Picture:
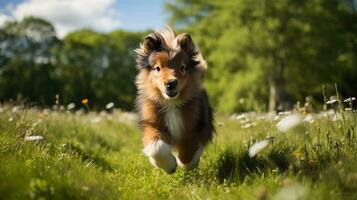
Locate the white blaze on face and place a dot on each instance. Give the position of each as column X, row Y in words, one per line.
column 173, row 121
column 289, row 122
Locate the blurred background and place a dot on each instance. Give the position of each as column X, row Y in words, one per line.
column 262, row 55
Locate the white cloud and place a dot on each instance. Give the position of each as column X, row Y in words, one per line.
column 68, row 15
column 4, row 18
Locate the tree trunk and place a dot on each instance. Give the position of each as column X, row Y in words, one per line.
column 272, row 96
column 278, row 98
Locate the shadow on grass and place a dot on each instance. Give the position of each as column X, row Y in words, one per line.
column 237, row 166
column 86, row 156
column 232, row 166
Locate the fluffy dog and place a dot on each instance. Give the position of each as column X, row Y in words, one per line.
column 175, row 116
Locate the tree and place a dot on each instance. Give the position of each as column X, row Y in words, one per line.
column 98, row 66
column 25, row 60
column 36, row 65
column 269, row 51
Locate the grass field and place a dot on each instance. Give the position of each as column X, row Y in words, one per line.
column 98, row 156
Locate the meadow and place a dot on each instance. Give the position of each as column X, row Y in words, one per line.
column 262, row 56
column 64, row 154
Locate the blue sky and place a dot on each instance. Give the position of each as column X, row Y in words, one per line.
column 141, row 14
column 101, row 15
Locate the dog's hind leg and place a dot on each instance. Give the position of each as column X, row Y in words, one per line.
column 159, row 153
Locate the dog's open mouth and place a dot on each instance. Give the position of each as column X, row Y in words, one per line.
column 171, row 94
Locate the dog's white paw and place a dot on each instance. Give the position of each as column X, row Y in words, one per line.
column 159, row 153
column 167, row 164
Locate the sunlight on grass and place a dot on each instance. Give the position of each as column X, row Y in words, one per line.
column 64, row 154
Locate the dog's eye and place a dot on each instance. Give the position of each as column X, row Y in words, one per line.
column 183, row 69
column 157, row 68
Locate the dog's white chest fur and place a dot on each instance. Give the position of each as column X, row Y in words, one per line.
column 174, row 121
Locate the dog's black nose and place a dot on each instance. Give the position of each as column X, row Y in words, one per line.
column 171, row 84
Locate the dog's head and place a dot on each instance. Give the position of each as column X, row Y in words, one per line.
column 172, row 63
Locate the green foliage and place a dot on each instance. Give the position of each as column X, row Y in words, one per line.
column 251, row 47
column 262, row 55
column 35, row 65
column 104, row 66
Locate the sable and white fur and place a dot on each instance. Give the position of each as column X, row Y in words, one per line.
column 174, row 113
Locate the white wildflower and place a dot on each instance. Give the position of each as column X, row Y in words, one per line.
column 33, row 138
column 309, row 118
column 276, row 170
column 89, row 163
column 244, row 121
column 248, row 125
column 262, row 117
column 331, row 101
column 85, row 188
column 71, row 106
column 324, row 114
column 127, row 117
column 336, row 117
column 95, row 120
column 328, row 114
column 11, row 119
column 276, row 118
column 109, row 106
column 285, row 113
column 220, row 124
column 350, row 99
column 241, row 116
column 288, row 122
column 102, row 113
column 258, row 147
column 46, row 111
column 80, row 112
column 291, row 191
column 241, row 100
column 36, row 123
column 15, row 109
column 61, row 156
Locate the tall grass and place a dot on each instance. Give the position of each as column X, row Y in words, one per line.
column 98, row 156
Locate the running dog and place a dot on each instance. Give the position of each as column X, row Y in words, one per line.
column 175, row 116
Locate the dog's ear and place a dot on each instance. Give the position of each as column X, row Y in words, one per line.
column 153, row 41
column 188, row 46
column 186, row 43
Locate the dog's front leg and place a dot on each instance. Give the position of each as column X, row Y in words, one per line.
column 158, row 151
column 189, row 155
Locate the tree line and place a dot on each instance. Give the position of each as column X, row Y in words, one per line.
column 35, row 65
column 267, row 55
column 262, row 55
